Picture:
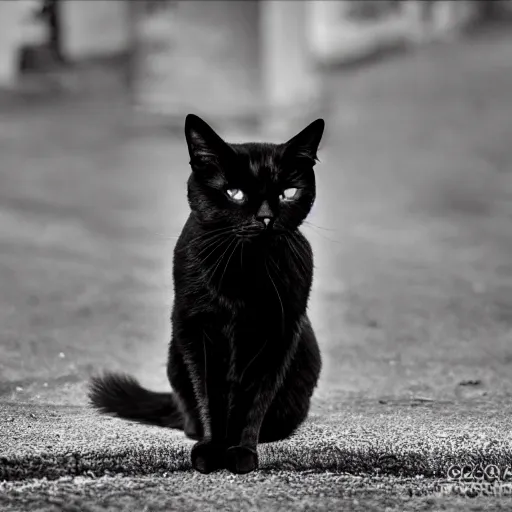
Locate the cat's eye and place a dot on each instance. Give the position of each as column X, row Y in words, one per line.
column 236, row 194
column 288, row 194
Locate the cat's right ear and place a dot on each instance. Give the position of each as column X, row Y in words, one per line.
column 204, row 145
column 305, row 144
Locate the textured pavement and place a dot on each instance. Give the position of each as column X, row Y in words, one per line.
column 412, row 300
column 355, row 454
column 409, row 439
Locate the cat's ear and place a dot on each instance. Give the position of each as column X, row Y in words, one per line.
column 305, row 144
column 204, row 145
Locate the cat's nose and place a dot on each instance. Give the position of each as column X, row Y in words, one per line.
column 265, row 215
column 266, row 221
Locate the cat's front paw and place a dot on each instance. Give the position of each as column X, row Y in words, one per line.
column 241, row 459
column 207, row 456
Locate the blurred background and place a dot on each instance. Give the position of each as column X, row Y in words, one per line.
column 411, row 230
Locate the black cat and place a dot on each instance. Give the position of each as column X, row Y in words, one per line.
column 243, row 359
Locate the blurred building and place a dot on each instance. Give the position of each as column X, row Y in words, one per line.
column 222, row 58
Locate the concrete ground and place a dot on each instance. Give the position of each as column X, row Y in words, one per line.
column 412, row 301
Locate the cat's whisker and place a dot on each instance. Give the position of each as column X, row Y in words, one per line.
column 210, row 233
column 207, row 239
column 276, row 267
column 313, row 227
column 227, row 263
column 301, row 244
column 292, row 249
column 217, row 244
column 211, row 242
column 220, row 259
column 211, row 270
column 162, row 236
column 299, row 258
column 247, row 231
column 309, row 223
column 167, row 237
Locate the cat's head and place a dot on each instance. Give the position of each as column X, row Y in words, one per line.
column 254, row 188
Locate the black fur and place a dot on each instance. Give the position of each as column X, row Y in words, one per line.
column 243, row 359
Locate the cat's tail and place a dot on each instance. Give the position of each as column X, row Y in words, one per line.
column 121, row 395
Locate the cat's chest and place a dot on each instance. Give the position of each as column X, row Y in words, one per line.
column 241, row 337
column 234, row 335
column 258, row 321
column 265, row 289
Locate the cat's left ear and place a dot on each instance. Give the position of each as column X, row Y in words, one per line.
column 305, row 144
column 204, row 145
